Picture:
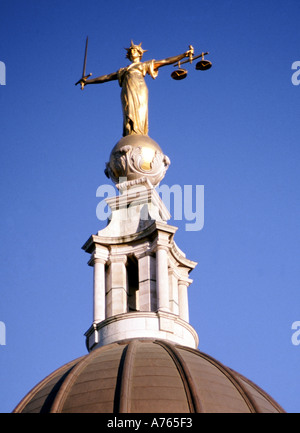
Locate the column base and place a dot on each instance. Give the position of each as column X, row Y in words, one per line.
column 160, row 325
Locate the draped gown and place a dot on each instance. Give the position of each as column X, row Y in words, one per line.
column 134, row 96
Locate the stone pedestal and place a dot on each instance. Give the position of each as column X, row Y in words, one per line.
column 140, row 275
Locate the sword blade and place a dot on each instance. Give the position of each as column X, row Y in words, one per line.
column 85, row 55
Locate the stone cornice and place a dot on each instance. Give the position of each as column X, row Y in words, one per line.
column 151, row 236
column 93, row 240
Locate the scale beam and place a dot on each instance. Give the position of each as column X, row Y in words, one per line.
column 181, row 73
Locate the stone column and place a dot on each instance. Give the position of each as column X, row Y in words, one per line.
column 147, row 282
column 162, row 278
column 183, row 300
column 116, row 286
column 99, row 290
column 173, row 292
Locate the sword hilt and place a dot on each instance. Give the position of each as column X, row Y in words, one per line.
column 82, row 82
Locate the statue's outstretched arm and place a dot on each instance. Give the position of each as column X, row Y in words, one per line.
column 98, row 80
column 102, row 79
column 174, row 59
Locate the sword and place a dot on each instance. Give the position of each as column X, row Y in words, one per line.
column 84, row 66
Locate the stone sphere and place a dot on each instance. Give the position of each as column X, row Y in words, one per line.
column 135, row 157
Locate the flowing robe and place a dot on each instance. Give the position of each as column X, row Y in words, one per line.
column 134, row 96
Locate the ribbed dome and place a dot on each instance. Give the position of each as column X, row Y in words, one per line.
column 146, row 376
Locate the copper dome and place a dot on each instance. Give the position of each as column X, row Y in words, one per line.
column 146, row 376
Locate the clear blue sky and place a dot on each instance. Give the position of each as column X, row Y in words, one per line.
column 234, row 129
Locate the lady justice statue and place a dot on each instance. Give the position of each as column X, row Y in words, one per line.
column 136, row 154
column 134, row 94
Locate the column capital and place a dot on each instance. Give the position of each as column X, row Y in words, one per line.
column 162, row 240
column 99, row 260
column 161, row 246
column 141, row 254
column 184, row 282
column 99, row 255
column 117, row 259
column 94, row 259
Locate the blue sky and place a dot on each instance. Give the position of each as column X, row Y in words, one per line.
column 234, row 129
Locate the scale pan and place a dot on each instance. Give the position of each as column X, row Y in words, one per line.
column 203, row 65
column 179, row 74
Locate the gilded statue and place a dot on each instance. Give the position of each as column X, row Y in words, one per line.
column 134, row 93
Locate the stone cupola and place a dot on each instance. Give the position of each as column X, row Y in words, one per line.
column 141, row 277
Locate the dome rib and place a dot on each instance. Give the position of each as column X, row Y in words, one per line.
column 62, row 394
column 188, row 383
column 62, row 371
column 263, row 393
column 125, row 375
column 231, row 376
